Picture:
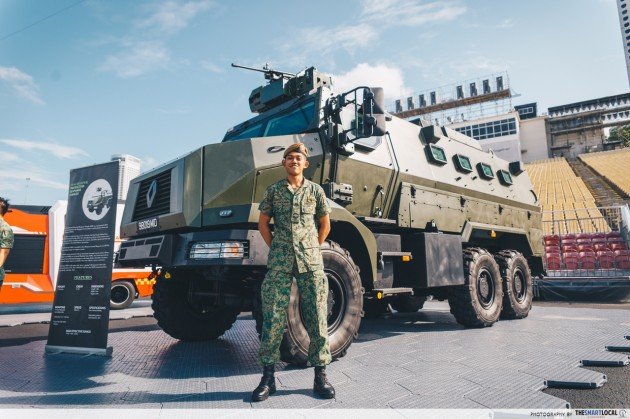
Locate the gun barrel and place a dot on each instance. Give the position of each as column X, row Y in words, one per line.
column 248, row 68
column 265, row 70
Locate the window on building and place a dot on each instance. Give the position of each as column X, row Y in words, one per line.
column 490, row 129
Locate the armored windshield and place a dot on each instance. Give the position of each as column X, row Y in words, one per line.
column 293, row 121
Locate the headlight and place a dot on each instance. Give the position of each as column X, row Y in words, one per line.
column 216, row 250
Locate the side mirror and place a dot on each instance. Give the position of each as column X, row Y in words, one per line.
column 374, row 124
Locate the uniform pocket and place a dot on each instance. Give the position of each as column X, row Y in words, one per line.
column 308, row 206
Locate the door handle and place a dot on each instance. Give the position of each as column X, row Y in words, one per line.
column 275, row 149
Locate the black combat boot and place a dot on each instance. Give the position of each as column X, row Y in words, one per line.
column 267, row 384
column 321, row 386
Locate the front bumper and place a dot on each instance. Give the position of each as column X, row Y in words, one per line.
column 173, row 250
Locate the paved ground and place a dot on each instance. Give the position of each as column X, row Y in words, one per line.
column 423, row 360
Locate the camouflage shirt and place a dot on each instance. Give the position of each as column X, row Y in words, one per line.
column 6, row 235
column 295, row 215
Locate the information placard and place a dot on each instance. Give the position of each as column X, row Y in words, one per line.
column 80, row 313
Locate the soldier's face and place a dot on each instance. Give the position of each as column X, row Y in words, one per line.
column 295, row 163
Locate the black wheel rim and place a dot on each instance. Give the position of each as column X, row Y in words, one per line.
column 119, row 294
column 520, row 285
column 485, row 288
column 201, row 301
column 336, row 302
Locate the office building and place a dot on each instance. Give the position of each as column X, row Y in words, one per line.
column 624, row 24
column 129, row 168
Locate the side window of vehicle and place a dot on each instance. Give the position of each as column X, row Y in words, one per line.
column 504, row 177
column 485, row 171
column 254, row 131
column 462, row 163
column 437, row 155
column 291, row 123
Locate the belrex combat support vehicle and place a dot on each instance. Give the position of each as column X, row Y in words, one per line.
column 100, row 200
column 418, row 210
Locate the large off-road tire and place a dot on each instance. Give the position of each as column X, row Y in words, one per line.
column 122, row 294
column 345, row 304
column 518, row 288
column 181, row 315
column 478, row 303
column 408, row 303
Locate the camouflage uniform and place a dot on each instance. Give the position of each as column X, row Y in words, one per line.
column 6, row 241
column 295, row 252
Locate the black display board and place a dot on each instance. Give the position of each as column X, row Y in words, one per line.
column 80, row 313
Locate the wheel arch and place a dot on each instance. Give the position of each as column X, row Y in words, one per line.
column 527, row 242
column 356, row 238
column 131, row 280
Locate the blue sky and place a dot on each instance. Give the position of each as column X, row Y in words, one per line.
column 153, row 78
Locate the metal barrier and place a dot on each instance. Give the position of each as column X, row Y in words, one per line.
column 587, row 242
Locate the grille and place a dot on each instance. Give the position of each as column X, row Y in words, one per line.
column 161, row 202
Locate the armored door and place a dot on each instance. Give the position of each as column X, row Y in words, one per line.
column 371, row 172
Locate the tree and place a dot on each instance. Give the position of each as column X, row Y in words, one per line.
column 621, row 133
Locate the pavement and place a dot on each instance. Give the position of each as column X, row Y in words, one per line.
column 423, row 360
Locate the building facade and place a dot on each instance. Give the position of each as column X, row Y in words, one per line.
column 577, row 128
column 534, row 139
column 624, row 24
column 499, row 133
column 128, row 169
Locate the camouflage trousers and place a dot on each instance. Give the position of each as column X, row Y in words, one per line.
column 276, row 292
column 1, row 277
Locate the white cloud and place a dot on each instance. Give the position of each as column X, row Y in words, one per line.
column 318, row 43
column 488, row 64
column 210, row 66
column 136, row 59
column 344, row 37
column 381, row 75
column 169, row 17
column 57, row 150
column 6, row 157
column 22, row 83
column 506, row 23
column 146, row 50
column 410, row 12
column 15, row 180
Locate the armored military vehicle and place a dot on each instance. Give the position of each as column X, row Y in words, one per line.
column 418, row 210
column 102, row 198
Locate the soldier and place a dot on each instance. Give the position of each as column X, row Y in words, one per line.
column 6, row 237
column 296, row 205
